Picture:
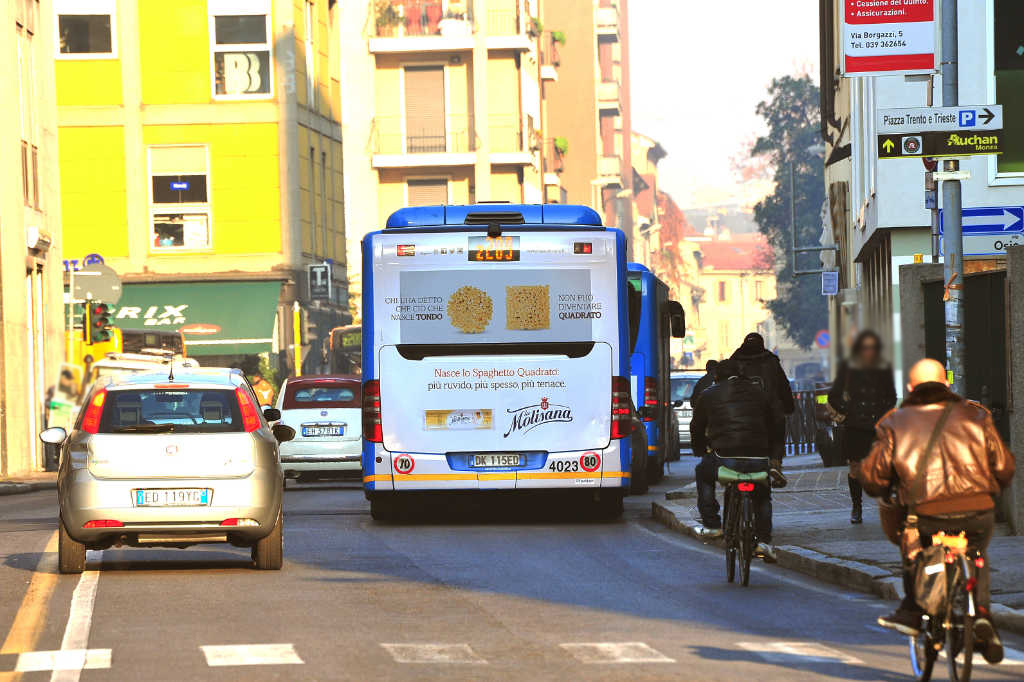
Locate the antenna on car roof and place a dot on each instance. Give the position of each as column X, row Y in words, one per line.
column 170, row 361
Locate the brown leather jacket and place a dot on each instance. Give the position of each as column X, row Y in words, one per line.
column 967, row 467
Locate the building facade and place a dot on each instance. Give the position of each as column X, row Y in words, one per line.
column 442, row 104
column 31, row 314
column 209, row 176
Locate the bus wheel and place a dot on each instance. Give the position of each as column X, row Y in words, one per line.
column 609, row 505
column 656, row 467
column 383, row 507
column 638, row 465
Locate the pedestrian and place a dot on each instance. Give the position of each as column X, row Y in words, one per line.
column 764, row 367
column 735, row 418
column 703, row 383
column 864, row 390
column 945, row 459
column 263, row 388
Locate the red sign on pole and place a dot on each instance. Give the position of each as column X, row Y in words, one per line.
column 889, row 37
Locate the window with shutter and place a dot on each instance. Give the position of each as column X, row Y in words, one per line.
column 424, row 109
column 429, row 192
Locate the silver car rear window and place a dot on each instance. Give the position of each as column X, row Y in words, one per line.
column 172, row 410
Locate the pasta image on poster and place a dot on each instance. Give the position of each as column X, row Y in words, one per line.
column 470, row 309
column 528, row 307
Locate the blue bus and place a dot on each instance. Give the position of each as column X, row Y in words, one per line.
column 496, row 355
column 660, row 320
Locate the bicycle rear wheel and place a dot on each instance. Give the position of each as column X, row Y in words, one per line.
column 922, row 656
column 960, row 634
column 746, row 537
column 730, row 538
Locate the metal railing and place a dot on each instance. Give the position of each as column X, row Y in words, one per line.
column 554, row 161
column 504, row 22
column 395, row 135
column 549, row 54
column 400, row 18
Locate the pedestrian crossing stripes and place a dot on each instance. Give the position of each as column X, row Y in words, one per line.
column 798, row 652
column 615, row 652
column 432, row 653
column 250, row 654
column 63, row 659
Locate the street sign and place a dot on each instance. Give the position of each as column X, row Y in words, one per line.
column 822, row 339
column 97, row 282
column 830, row 283
column 889, row 38
column 917, row 120
column 987, row 231
column 320, row 282
column 940, row 144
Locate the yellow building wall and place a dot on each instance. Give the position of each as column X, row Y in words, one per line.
column 88, row 82
column 725, row 323
column 92, row 183
column 244, row 182
column 174, row 44
column 504, row 186
column 503, row 103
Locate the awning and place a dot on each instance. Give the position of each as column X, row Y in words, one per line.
column 217, row 318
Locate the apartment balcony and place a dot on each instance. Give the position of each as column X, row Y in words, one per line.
column 506, row 141
column 550, row 59
column 398, row 143
column 507, row 29
column 608, row 95
column 554, row 160
column 609, row 170
column 606, row 21
column 422, row 26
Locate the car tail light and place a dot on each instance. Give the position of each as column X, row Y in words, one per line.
column 979, row 561
column 745, row 487
column 240, row 522
column 622, row 415
column 372, row 430
column 103, row 523
column 94, row 412
column 650, row 396
column 250, row 417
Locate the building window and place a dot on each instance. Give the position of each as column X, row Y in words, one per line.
column 759, row 290
column 427, row 192
column 425, row 110
column 311, row 85
column 1009, row 73
column 240, row 38
column 723, row 336
column 721, row 291
column 179, row 198
column 85, row 29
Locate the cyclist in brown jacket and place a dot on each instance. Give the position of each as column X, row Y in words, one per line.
column 951, row 489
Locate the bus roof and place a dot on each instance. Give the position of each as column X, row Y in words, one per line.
column 495, row 213
column 637, row 267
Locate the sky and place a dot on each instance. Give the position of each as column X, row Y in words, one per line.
column 698, row 68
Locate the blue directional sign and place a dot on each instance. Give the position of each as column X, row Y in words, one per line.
column 989, row 230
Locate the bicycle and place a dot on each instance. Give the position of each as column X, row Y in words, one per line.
column 738, row 526
column 954, row 630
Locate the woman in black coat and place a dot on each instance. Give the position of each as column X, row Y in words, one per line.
column 864, row 390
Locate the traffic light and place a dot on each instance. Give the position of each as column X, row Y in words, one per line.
column 86, row 325
column 99, row 323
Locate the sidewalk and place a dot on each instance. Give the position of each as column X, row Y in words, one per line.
column 37, row 480
column 813, row 533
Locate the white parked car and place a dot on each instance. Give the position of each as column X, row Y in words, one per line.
column 326, row 413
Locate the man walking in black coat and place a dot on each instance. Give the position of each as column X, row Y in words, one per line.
column 736, row 419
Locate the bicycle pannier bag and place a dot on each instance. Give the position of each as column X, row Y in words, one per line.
column 930, row 579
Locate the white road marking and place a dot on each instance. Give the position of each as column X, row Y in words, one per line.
column 250, row 654
column 798, row 652
column 1010, row 657
column 615, row 652
column 65, row 659
column 432, row 653
column 76, row 633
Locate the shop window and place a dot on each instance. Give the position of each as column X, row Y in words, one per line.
column 1009, row 74
column 240, row 38
column 179, row 199
column 85, row 29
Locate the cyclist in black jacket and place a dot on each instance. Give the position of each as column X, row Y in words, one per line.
column 736, row 419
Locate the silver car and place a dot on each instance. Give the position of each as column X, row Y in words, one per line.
column 682, row 384
column 159, row 460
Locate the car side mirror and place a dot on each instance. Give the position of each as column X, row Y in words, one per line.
column 272, row 414
column 677, row 319
column 647, row 413
column 283, row 432
column 677, row 403
column 53, row 436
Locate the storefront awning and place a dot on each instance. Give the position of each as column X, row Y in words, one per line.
column 217, row 318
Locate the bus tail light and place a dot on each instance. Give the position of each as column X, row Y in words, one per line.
column 622, row 414
column 94, row 412
column 250, row 417
column 372, row 430
column 650, row 397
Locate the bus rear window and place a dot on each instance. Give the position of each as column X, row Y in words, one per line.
column 307, row 396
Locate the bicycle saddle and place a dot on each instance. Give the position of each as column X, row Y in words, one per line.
column 727, row 475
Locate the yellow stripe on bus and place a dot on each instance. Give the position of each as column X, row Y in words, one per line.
column 507, row 476
column 652, row 447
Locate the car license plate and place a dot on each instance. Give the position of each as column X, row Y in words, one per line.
column 173, row 497
column 323, row 430
column 496, row 460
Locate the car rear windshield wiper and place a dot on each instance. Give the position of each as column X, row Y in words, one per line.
column 145, row 428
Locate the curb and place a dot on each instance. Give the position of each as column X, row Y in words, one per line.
column 20, row 488
column 843, row 572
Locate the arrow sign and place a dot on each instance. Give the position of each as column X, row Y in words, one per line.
column 888, row 145
column 994, row 220
column 989, row 230
column 987, row 117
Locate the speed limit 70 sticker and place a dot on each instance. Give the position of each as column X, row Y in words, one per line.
column 404, row 464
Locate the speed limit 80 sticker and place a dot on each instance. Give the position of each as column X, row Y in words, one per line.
column 404, row 464
column 590, row 461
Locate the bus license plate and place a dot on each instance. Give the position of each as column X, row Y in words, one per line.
column 322, row 431
column 173, row 497
column 499, row 460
